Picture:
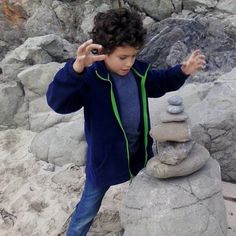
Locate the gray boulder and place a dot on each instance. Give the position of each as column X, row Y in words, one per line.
column 61, row 144
column 227, row 5
column 157, row 9
column 183, row 206
column 36, row 79
column 213, row 123
column 11, row 100
column 37, row 50
column 172, row 40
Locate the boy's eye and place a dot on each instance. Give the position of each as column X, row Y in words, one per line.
column 122, row 58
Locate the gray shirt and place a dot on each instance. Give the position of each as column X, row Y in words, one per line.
column 129, row 108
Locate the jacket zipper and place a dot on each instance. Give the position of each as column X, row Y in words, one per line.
column 116, row 112
column 144, row 103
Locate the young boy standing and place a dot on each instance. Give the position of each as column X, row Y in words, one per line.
column 113, row 88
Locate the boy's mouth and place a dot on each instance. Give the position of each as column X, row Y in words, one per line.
column 126, row 70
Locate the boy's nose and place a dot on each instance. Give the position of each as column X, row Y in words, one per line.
column 129, row 63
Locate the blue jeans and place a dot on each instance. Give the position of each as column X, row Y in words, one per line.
column 86, row 209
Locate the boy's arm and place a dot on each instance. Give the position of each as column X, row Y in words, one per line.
column 65, row 93
column 160, row 82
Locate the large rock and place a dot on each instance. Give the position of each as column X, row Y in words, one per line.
column 183, row 206
column 36, row 79
column 227, row 5
column 41, row 116
column 158, row 9
column 37, row 50
column 11, row 100
column 170, row 41
column 61, row 144
column 44, row 21
column 193, row 4
column 213, row 123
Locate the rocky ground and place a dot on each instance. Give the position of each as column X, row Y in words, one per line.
column 39, row 196
column 229, row 192
column 38, row 184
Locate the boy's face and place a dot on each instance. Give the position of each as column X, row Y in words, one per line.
column 121, row 60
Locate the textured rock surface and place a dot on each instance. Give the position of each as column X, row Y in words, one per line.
column 196, row 159
column 61, row 144
column 39, row 196
column 175, row 131
column 173, row 153
column 184, row 206
column 214, row 124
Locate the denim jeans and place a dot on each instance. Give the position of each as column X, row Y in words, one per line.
column 86, row 209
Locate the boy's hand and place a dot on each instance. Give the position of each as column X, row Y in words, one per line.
column 84, row 56
column 195, row 62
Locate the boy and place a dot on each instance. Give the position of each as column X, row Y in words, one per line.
column 113, row 88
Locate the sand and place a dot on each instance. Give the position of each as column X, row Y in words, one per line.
column 37, row 198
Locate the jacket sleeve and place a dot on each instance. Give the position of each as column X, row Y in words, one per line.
column 162, row 81
column 66, row 92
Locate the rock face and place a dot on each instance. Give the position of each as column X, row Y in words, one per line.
column 191, row 205
column 213, row 123
column 174, row 38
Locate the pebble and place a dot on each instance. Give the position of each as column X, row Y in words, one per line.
column 175, row 100
column 175, row 109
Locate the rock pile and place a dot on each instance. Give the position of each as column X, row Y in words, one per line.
column 159, row 204
column 178, row 154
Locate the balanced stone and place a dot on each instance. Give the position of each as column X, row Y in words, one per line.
column 175, row 109
column 175, row 100
column 167, row 117
column 174, row 131
column 172, row 153
column 196, row 159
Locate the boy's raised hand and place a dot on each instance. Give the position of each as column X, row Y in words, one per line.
column 195, row 62
column 84, row 57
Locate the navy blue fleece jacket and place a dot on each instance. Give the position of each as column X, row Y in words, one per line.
column 108, row 160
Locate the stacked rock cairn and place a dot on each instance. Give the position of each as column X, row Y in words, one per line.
column 178, row 154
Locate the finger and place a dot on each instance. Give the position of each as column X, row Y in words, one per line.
column 82, row 48
column 93, row 46
column 201, row 57
column 98, row 57
column 195, row 54
column 201, row 62
column 81, row 58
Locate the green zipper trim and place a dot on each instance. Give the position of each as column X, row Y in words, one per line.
column 144, row 103
column 116, row 112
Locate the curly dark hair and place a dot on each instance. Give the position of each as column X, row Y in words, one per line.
column 118, row 27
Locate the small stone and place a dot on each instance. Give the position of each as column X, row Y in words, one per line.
column 175, row 100
column 175, row 109
column 167, row 117
column 50, row 167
